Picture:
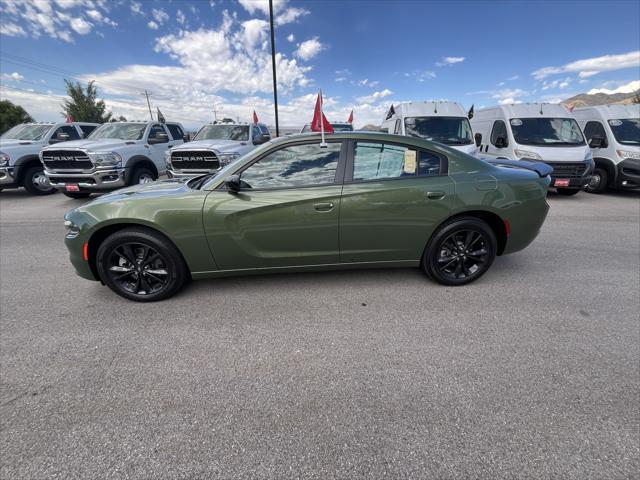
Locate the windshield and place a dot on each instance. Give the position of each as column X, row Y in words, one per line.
column 239, row 133
column 447, row 130
column 547, row 132
column 626, row 130
column 122, row 131
column 337, row 127
column 27, row 132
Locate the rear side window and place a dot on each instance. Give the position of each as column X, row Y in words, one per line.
column 176, row 131
column 499, row 130
column 377, row 161
column 264, row 130
column 594, row 129
column 87, row 129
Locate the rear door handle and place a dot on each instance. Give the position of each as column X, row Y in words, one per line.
column 435, row 195
column 323, row 207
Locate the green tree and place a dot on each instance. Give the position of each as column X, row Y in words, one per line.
column 11, row 115
column 83, row 105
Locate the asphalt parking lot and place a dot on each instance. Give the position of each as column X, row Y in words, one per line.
column 533, row 372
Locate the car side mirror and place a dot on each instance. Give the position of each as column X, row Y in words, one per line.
column 160, row 138
column 264, row 138
column 232, row 182
column 478, row 139
column 501, row 142
column 597, row 142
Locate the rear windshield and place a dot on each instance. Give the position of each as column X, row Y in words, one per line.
column 626, row 130
column 547, row 132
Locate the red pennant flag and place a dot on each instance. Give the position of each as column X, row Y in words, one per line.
column 69, row 119
column 255, row 117
column 318, row 116
column 350, row 117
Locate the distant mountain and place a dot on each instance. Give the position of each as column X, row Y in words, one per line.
column 586, row 100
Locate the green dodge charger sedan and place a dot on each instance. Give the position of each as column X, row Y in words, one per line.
column 293, row 204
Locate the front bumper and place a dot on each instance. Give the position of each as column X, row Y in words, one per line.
column 577, row 173
column 7, row 176
column 107, row 179
column 628, row 173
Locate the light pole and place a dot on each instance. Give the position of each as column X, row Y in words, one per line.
column 273, row 63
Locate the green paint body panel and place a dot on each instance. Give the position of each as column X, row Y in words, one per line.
column 368, row 224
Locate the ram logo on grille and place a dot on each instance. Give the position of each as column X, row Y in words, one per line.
column 60, row 159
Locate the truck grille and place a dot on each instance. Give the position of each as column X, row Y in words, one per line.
column 194, row 160
column 66, row 159
column 567, row 170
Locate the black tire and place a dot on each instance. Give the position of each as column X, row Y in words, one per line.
column 142, row 175
column 599, row 181
column 35, row 182
column 567, row 192
column 77, row 195
column 447, row 263
column 140, row 264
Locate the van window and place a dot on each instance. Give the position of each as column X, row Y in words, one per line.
column 626, row 130
column 499, row 130
column 595, row 129
column 546, row 131
column 447, row 130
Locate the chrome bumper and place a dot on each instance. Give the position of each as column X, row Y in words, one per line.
column 98, row 180
column 6, row 176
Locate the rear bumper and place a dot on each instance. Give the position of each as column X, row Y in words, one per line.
column 628, row 174
column 98, row 180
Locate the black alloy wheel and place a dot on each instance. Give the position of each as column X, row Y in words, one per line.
column 598, row 182
column 460, row 251
column 140, row 264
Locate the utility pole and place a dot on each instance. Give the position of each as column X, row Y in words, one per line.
column 148, row 105
column 215, row 113
column 273, row 63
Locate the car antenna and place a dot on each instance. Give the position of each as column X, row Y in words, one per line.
column 435, row 107
column 541, row 112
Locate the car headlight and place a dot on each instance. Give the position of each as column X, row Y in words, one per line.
column 167, row 159
column 72, row 229
column 4, row 159
column 526, row 154
column 106, row 159
column 227, row 158
column 628, row 154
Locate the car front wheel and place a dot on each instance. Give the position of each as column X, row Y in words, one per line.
column 142, row 175
column 598, row 182
column 141, row 265
column 460, row 251
column 36, row 182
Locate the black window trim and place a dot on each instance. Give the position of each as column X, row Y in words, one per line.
column 338, row 179
column 506, row 139
column 348, row 177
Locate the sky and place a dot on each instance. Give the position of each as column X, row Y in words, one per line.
column 198, row 59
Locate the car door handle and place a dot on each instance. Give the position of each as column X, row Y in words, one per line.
column 435, row 195
column 323, row 207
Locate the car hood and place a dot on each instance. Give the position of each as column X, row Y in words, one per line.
column 95, row 145
column 145, row 190
column 223, row 146
column 558, row 154
column 12, row 142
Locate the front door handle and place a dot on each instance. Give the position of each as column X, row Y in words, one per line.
column 435, row 195
column 323, row 207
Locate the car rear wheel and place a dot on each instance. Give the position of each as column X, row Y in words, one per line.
column 36, row 182
column 142, row 175
column 598, row 182
column 141, row 265
column 567, row 192
column 460, row 251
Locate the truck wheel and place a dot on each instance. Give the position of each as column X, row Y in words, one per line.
column 142, row 175
column 141, row 265
column 36, row 183
column 77, row 195
column 567, row 192
column 460, row 251
column 599, row 181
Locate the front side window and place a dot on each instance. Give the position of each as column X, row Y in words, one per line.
column 377, row 161
column 156, row 130
column 121, row 131
column 626, row 130
column 446, row 130
column 69, row 130
column 499, row 131
column 224, row 132
column 27, row 132
column 294, row 166
column 547, row 132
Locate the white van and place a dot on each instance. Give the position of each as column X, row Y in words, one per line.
column 443, row 122
column 537, row 131
column 613, row 133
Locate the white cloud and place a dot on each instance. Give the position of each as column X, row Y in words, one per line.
column 80, row 25
column 153, row 25
column 626, row 88
column 12, row 30
column 559, row 83
column 592, row 66
column 515, row 77
column 136, row 8
column 255, row 32
column 508, row 95
column 180, row 17
column 15, row 76
column 375, row 96
column 159, row 15
column 309, row 48
column 421, row 75
column 291, row 38
column 282, row 13
column 448, row 61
